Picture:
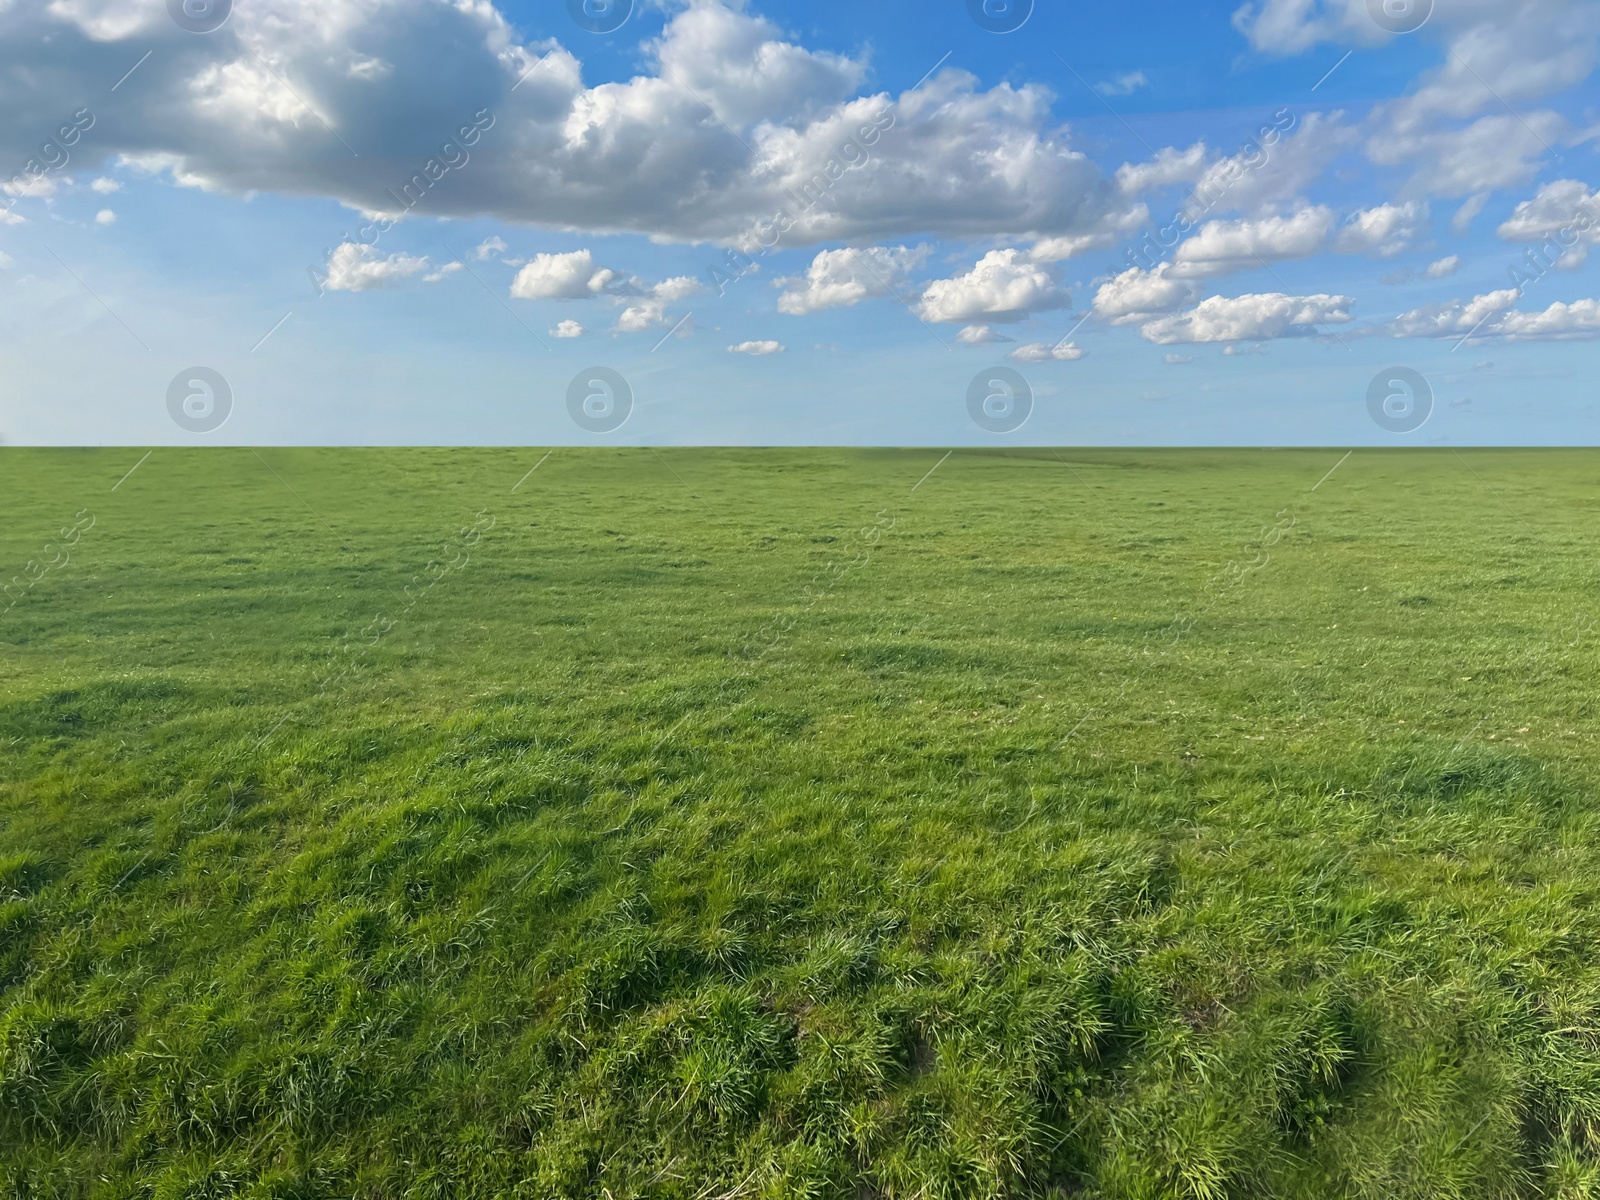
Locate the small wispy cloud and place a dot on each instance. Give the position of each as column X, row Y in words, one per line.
column 488, row 248
column 1123, row 85
column 1039, row 352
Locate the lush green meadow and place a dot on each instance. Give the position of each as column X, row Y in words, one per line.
column 739, row 823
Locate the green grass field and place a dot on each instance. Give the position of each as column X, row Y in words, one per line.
column 739, row 823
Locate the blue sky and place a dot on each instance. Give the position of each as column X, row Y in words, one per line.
column 1001, row 207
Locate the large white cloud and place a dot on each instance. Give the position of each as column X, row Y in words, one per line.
column 1217, row 248
column 356, row 268
column 1564, row 213
column 1559, row 322
column 841, row 278
column 366, row 100
column 1497, row 51
column 1261, row 177
column 951, row 161
column 1003, row 286
column 1129, row 297
column 1471, row 124
column 1294, row 26
column 745, row 70
column 1497, row 151
column 1504, row 53
column 1384, row 230
column 575, row 276
column 1492, row 316
column 1169, row 166
column 1456, row 319
column 1221, row 247
column 571, row 276
column 1249, row 318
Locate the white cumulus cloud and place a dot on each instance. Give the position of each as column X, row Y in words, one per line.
column 648, row 307
column 1494, row 152
column 1221, row 247
column 1564, row 212
column 1004, row 286
column 1385, row 230
column 1559, row 322
column 1456, row 319
column 1251, row 318
column 354, row 267
column 1169, row 166
column 572, row 276
column 1492, row 316
column 1137, row 292
column 842, row 278
column 728, row 121
column 1259, row 178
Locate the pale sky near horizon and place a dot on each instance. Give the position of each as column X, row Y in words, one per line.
column 431, row 222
